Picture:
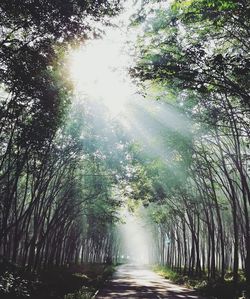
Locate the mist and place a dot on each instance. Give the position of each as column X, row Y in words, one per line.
column 136, row 239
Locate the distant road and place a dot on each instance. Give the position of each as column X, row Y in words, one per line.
column 133, row 281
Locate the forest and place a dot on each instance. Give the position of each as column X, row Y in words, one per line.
column 171, row 147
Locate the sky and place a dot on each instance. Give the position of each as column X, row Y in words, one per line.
column 99, row 68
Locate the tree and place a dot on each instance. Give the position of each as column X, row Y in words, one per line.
column 198, row 50
column 42, row 156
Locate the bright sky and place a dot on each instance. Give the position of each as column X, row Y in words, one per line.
column 99, row 68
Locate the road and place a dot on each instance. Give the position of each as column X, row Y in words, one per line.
column 133, row 281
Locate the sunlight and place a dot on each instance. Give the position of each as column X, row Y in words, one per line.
column 98, row 70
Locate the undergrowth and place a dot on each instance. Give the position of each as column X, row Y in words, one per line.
column 217, row 288
column 73, row 282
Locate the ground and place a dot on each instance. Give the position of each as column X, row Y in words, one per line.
column 134, row 281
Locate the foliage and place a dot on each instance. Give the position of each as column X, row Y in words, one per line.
column 197, row 51
column 62, row 282
column 46, row 198
column 14, row 286
column 203, row 285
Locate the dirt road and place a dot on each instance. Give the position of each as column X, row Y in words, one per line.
column 133, row 281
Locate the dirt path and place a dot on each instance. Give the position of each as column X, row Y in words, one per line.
column 132, row 281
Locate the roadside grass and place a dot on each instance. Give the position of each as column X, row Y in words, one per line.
column 72, row 282
column 210, row 288
column 81, row 294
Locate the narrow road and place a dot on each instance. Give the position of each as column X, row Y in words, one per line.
column 133, row 281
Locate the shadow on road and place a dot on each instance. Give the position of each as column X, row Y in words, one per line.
column 132, row 281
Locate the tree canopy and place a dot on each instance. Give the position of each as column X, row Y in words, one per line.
column 182, row 152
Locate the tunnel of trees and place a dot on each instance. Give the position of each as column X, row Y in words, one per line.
column 64, row 175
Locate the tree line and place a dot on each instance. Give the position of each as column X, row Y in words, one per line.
column 194, row 55
column 54, row 199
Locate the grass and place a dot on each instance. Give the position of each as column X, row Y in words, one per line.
column 73, row 282
column 213, row 288
column 83, row 293
column 169, row 274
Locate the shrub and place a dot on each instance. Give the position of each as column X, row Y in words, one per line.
column 12, row 285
